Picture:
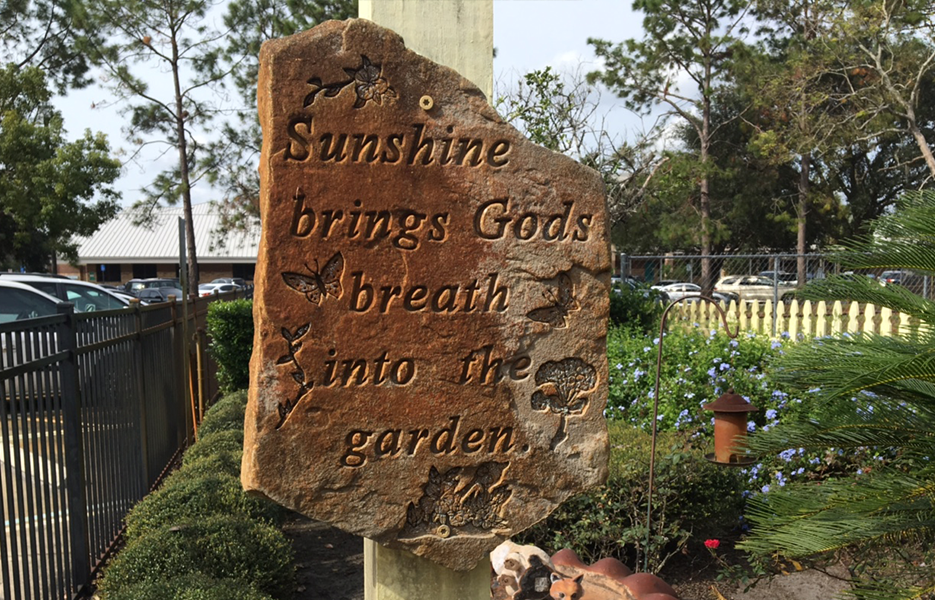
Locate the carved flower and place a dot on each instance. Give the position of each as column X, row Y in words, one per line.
column 369, row 84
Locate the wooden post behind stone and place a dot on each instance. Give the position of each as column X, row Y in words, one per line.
column 391, row 574
column 458, row 34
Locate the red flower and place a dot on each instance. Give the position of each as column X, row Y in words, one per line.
column 713, row 544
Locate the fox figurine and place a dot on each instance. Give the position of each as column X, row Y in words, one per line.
column 565, row 589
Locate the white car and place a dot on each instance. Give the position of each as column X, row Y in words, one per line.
column 677, row 291
column 19, row 301
column 85, row 296
column 207, row 289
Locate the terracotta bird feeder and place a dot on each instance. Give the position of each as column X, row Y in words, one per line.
column 730, row 429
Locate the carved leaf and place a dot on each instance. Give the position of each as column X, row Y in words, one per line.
column 302, row 330
column 284, row 359
column 315, row 81
column 359, row 102
column 350, row 72
column 299, row 377
column 286, row 334
column 333, row 90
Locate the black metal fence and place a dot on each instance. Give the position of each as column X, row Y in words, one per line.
column 95, row 407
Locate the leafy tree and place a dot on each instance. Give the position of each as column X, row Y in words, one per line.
column 692, row 39
column 50, row 189
column 875, row 391
column 161, row 61
column 231, row 159
column 50, row 34
column 885, row 51
column 561, row 112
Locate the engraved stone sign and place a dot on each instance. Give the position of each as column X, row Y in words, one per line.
column 429, row 367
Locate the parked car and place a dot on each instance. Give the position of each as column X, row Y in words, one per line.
column 753, row 288
column 207, row 289
column 234, row 280
column 151, row 295
column 677, row 291
column 135, row 285
column 903, row 278
column 19, row 301
column 85, row 296
column 783, row 276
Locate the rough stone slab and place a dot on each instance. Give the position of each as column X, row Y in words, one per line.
column 429, row 367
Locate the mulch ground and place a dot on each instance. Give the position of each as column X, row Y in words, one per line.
column 330, row 566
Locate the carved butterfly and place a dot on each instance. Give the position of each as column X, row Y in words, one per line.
column 555, row 315
column 327, row 282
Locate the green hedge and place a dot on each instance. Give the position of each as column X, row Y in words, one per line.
column 218, row 546
column 200, row 525
column 196, row 586
column 183, row 499
column 214, row 444
column 230, row 327
column 692, row 498
column 226, row 414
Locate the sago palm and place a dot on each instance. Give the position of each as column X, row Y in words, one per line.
column 873, row 391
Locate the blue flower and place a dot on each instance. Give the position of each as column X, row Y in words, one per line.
column 814, row 461
column 751, row 426
column 646, row 348
column 765, row 488
column 619, row 367
column 775, row 344
column 716, row 360
column 771, row 414
column 734, row 343
column 724, row 366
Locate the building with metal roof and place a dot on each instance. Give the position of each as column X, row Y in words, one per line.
column 120, row 250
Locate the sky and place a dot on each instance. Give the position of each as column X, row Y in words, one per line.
column 528, row 35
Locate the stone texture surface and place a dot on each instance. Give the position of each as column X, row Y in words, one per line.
column 429, row 366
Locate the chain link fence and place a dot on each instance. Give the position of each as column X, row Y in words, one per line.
column 780, row 269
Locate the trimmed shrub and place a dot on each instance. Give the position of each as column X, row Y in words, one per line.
column 217, row 443
column 225, row 462
column 691, row 498
column 638, row 308
column 195, row 586
column 184, row 498
column 230, row 326
column 226, row 414
column 220, row 547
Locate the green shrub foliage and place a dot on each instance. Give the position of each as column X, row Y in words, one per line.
column 226, row 414
column 214, row 444
column 184, row 498
column 230, row 327
column 194, row 586
column 226, row 462
column 220, row 547
column 637, row 309
column 692, row 498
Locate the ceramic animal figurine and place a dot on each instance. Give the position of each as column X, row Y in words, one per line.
column 565, row 588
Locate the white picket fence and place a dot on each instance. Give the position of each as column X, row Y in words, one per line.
column 796, row 319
